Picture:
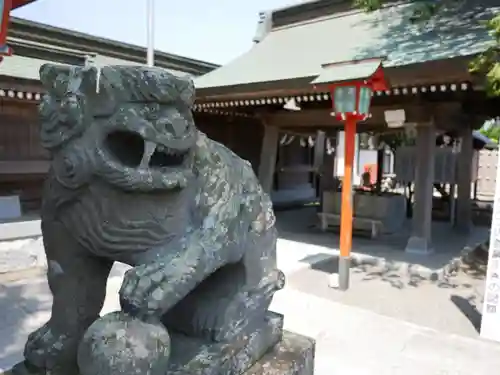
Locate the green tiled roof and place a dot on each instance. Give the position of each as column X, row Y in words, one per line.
column 300, row 50
column 28, row 67
column 106, row 60
column 21, row 67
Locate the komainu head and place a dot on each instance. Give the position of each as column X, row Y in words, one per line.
column 131, row 126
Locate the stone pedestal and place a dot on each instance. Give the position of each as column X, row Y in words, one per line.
column 185, row 212
column 191, row 356
column 389, row 209
column 293, row 355
column 419, row 245
column 262, row 349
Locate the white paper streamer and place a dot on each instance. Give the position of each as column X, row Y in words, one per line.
column 91, row 63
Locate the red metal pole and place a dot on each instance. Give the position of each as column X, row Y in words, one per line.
column 346, row 215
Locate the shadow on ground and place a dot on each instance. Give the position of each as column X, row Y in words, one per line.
column 450, row 304
column 301, row 225
column 25, row 305
column 386, row 280
column 468, row 307
column 24, row 308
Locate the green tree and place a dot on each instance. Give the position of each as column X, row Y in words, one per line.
column 486, row 64
column 491, row 130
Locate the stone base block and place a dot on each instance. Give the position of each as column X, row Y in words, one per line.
column 293, row 355
column 267, row 350
column 419, row 245
column 193, row 357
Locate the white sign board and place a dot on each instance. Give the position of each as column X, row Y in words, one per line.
column 490, row 324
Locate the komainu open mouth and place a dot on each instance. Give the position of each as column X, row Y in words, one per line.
column 131, row 150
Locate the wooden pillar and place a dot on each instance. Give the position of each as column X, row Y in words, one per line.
column 230, row 134
column 268, row 155
column 420, row 241
column 319, row 156
column 327, row 180
column 380, row 169
column 464, row 181
column 319, row 150
column 452, row 204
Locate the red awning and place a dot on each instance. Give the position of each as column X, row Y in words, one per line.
column 20, row 3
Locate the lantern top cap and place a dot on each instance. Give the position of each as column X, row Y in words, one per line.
column 356, row 70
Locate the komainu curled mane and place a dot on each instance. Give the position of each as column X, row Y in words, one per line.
column 133, row 180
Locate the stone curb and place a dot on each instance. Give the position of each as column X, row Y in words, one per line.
column 22, row 254
column 24, row 274
column 409, row 269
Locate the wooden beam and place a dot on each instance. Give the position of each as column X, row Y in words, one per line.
column 449, row 116
column 421, row 74
column 321, row 118
column 24, row 167
column 297, row 168
column 308, row 131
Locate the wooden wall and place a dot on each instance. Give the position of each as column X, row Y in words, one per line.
column 23, row 161
column 20, row 140
column 242, row 135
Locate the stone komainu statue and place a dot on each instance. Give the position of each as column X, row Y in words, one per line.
column 133, row 180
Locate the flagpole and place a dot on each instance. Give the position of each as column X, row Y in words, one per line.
column 150, row 32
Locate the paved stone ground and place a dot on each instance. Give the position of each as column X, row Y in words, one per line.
column 368, row 330
column 350, row 340
column 390, row 282
column 451, row 305
column 354, row 341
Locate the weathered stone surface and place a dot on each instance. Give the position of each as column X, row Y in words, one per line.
column 191, row 356
column 118, row 343
column 133, row 180
column 293, row 355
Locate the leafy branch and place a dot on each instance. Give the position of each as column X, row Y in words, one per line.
column 486, row 64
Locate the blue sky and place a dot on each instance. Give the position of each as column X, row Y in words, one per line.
column 211, row 30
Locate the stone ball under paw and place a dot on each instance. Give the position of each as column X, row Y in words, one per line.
column 118, row 344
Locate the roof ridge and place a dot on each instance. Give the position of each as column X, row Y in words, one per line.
column 312, row 10
column 317, row 19
column 105, row 41
column 306, row 3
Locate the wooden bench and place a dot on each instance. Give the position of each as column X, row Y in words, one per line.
column 359, row 223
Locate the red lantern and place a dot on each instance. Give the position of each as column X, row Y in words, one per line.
column 5, row 7
column 351, row 100
column 351, row 85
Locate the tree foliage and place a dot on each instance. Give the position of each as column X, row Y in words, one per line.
column 491, row 130
column 486, row 64
column 492, row 133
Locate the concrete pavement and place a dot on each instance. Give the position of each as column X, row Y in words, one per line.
column 359, row 342
column 350, row 340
